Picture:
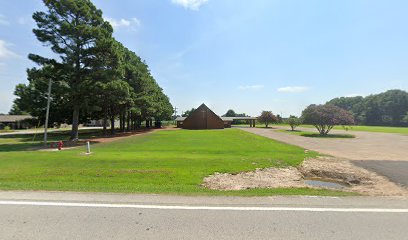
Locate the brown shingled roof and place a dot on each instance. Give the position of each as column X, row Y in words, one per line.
column 14, row 118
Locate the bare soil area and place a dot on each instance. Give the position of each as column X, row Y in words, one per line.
column 118, row 136
column 355, row 179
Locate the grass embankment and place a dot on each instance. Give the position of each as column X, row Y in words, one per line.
column 317, row 135
column 173, row 162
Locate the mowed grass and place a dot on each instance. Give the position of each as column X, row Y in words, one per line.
column 400, row 130
column 171, row 162
column 317, row 135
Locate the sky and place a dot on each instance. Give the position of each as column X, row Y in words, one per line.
column 275, row 55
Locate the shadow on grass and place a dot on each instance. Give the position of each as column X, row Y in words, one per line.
column 18, row 147
column 33, row 141
column 52, row 136
column 317, row 135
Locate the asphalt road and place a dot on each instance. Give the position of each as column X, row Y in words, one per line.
column 117, row 216
column 396, row 171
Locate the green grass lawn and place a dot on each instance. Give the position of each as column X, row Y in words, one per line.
column 172, row 162
column 317, row 135
column 400, row 130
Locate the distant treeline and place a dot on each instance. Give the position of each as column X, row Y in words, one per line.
column 232, row 113
column 385, row 109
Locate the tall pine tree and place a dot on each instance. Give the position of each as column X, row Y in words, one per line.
column 72, row 28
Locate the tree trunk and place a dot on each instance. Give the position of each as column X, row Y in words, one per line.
column 138, row 122
column 75, row 123
column 112, row 125
column 105, row 121
column 128, row 121
column 124, row 120
column 120, row 121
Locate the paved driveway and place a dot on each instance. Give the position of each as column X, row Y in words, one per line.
column 384, row 153
column 396, row 171
column 366, row 145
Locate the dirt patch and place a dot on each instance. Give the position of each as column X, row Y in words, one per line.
column 260, row 178
column 325, row 168
column 82, row 142
column 119, row 136
column 358, row 179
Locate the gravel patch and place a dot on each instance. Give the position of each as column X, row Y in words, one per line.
column 355, row 179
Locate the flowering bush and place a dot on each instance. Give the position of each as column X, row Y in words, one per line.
column 267, row 117
column 325, row 117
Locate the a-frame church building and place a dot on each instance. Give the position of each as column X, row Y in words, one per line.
column 204, row 118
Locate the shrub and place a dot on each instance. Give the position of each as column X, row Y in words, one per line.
column 293, row 122
column 325, row 117
column 267, row 117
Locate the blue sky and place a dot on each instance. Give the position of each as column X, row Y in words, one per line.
column 278, row 55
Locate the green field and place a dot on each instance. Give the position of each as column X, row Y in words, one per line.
column 317, row 135
column 173, row 162
column 400, row 130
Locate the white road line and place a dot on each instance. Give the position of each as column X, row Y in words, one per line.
column 170, row 207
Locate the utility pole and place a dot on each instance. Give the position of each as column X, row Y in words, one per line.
column 175, row 112
column 175, row 115
column 47, row 112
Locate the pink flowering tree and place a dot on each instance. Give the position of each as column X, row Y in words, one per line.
column 267, row 117
column 325, row 117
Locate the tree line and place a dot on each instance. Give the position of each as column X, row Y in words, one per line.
column 389, row 108
column 93, row 75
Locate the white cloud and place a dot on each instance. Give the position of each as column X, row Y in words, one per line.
column 293, row 89
column 190, row 4
column 132, row 23
column 251, row 87
column 5, row 52
column 137, row 22
column 3, row 20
